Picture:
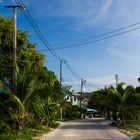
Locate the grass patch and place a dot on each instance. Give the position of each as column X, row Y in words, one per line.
column 54, row 124
column 26, row 134
column 132, row 129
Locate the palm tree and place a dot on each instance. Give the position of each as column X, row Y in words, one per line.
column 139, row 79
column 11, row 107
column 39, row 92
column 121, row 96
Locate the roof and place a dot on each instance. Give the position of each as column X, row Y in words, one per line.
column 91, row 110
column 88, row 109
column 85, row 100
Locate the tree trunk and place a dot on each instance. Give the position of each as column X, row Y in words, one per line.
column 108, row 113
column 122, row 118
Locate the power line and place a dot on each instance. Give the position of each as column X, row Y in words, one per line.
column 86, row 42
column 4, row 56
column 92, row 84
column 72, row 71
column 77, row 76
column 10, row 58
column 52, row 50
column 42, row 38
column 95, row 36
column 40, row 35
column 96, row 40
column 36, row 29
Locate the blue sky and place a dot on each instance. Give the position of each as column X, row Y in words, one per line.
column 67, row 20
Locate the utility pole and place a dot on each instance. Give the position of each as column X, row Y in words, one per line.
column 116, row 78
column 14, row 53
column 81, row 86
column 83, row 82
column 61, row 61
column 61, row 110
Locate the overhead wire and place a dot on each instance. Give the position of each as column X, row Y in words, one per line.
column 96, row 40
column 72, row 45
column 4, row 56
column 72, row 71
column 96, row 36
column 41, row 36
column 92, row 84
column 36, row 29
column 77, row 76
column 7, row 58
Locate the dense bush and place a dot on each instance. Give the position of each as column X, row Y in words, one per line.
column 72, row 112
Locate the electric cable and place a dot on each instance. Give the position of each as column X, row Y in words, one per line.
column 96, row 40
column 36, row 29
column 95, row 36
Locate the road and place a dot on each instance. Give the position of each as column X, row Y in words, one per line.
column 85, row 129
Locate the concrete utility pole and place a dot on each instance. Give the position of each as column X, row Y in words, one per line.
column 116, row 78
column 61, row 72
column 14, row 82
column 61, row 62
column 83, row 82
column 61, row 111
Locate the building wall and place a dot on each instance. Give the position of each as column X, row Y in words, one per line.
column 73, row 99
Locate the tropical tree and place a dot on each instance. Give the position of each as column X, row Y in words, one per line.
column 122, row 96
column 38, row 90
column 11, row 107
column 122, row 101
column 101, row 100
column 139, row 79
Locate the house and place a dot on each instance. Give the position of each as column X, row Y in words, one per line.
column 85, row 101
column 73, row 98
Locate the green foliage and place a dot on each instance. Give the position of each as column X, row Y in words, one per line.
column 36, row 104
column 122, row 101
column 54, row 124
column 137, row 137
column 24, row 135
column 72, row 112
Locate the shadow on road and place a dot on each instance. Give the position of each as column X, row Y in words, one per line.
column 84, row 124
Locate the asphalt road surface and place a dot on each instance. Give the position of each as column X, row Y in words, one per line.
column 86, row 129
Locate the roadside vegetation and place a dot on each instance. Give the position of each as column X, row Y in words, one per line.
column 132, row 129
column 35, row 107
column 121, row 104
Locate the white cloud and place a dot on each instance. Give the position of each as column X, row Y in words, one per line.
column 71, row 8
column 93, row 84
column 126, row 47
column 130, row 80
column 104, row 10
column 101, row 82
column 82, row 12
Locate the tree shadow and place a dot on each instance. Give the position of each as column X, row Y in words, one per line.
column 86, row 124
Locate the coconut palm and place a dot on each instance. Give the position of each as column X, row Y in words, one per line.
column 139, row 79
column 122, row 96
column 11, row 108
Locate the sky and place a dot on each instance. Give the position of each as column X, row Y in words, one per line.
column 67, row 21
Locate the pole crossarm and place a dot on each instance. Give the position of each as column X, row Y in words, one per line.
column 13, row 6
